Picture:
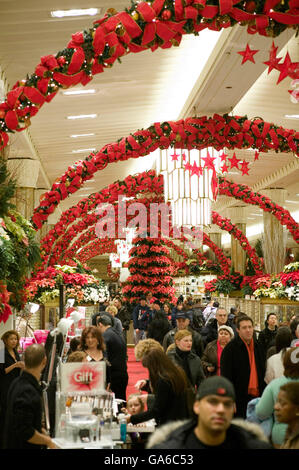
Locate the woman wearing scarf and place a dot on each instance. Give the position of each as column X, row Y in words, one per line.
column 212, row 353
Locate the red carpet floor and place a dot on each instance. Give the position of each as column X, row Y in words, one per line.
column 136, row 372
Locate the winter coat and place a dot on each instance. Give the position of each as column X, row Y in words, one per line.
column 210, row 331
column 210, row 358
column 174, row 435
column 141, row 317
column 235, row 366
column 124, row 316
column 265, row 408
column 194, row 363
column 197, row 344
column 291, row 440
column 158, row 327
column 266, row 338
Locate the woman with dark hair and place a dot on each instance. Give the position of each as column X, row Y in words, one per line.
column 265, row 407
column 287, row 411
column 10, row 369
column 158, row 327
column 267, row 336
column 169, row 385
column 93, row 344
column 274, row 366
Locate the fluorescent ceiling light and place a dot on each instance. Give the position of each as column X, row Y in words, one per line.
column 292, row 116
column 77, row 12
column 83, row 150
column 74, row 136
column 83, row 116
column 80, row 92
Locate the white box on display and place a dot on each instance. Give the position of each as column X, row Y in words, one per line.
column 83, row 376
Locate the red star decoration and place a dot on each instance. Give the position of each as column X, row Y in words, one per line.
column 273, row 60
column 188, row 166
column 256, row 155
column 209, row 162
column 224, row 168
column 244, row 167
column 195, row 170
column 248, row 54
column 174, row 157
column 295, row 95
column 284, row 68
column 234, row 162
column 184, row 157
column 223, row 157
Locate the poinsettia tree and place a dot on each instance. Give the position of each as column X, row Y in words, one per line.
column 151, row 270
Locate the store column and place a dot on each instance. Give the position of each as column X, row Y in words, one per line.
column 25, row 171
column 274, row 236
column 238, row 255
column 215, row 234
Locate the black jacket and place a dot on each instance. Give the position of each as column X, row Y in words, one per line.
column 266, row 338
column 197, row 344
column 116, row 351
column 195, row 372
column 141, row 316
column 234, row 365
column 240, row 435
column 167, row 406
column 124, row 316
column 24, row 412
column 158, row 327
column 210, row 331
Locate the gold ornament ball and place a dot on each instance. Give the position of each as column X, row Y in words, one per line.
column 135, row 15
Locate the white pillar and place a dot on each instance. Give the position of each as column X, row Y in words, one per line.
column 238, row 255
column 274, row 236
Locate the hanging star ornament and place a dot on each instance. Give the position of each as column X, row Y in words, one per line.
column 209, row 162
column 273, row 59
column 244, row 167
column 184, row 156
column 196, row 170
column 223, row 157
column 174, row 157
column 224, row 168
column 256, row 155
column 284, row 68
column 248, row 54
column 234, row 162
column 188, row 166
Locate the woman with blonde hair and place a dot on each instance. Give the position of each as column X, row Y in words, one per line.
column 116, row 323
column 182, row 355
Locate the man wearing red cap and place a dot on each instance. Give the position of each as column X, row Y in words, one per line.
column 214, row 406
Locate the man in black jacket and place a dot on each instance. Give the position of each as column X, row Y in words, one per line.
column 243, row 363
column 123, row 315
column 117, row 356
column 210, row 331
column 23, row 426
column 214, row 406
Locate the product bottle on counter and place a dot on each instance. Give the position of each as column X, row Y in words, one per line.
column 123, row 427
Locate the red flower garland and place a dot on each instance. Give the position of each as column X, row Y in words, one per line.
column 146, row 25
column 245, row 194
column 218, row 131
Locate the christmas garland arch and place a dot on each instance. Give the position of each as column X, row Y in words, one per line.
column 145, row 25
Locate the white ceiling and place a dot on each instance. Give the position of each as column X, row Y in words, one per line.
column 146, row 87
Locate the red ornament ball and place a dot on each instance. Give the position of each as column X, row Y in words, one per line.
column 250, row 6
column 166, row 15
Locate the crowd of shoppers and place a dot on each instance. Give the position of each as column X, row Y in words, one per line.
column 205, row 367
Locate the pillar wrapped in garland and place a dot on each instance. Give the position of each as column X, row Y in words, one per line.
column 151, row 270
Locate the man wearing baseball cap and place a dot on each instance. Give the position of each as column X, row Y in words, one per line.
column 214, row 407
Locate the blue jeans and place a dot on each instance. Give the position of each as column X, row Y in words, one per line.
column 138, row 336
